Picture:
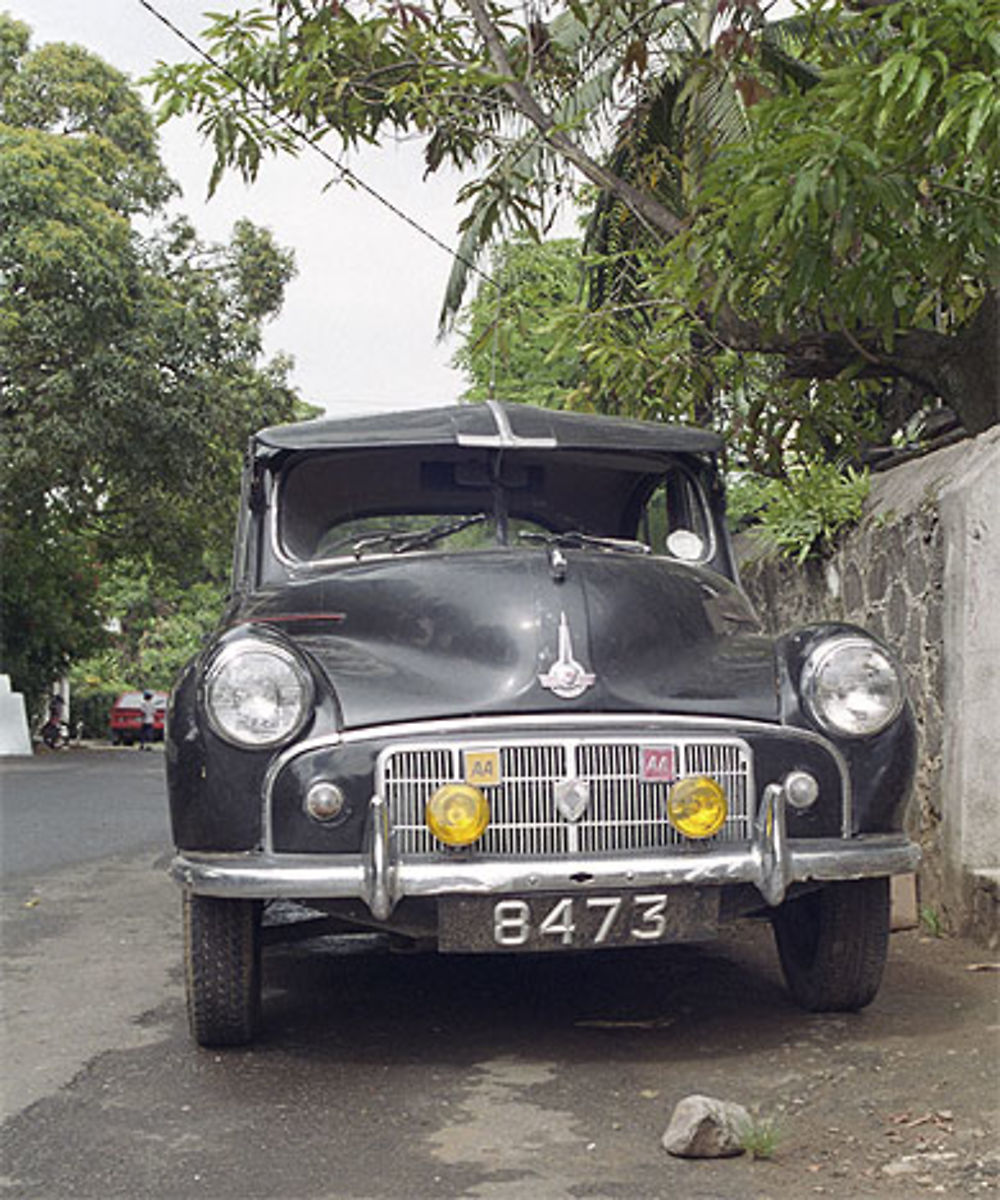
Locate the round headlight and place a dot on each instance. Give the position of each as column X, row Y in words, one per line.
column 852, row 687
column 257, row 694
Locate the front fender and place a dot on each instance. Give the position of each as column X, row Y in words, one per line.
column 882, row 766
column 215, row 789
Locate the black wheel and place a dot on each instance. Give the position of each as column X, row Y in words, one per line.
column 53, row 736
column 833, row 944
column 222, row 969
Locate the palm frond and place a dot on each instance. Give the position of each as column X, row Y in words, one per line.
column 506, row 194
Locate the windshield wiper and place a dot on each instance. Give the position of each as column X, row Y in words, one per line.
column 400, row 541
column 574, row 540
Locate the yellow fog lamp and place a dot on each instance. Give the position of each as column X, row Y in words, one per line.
column 697, row 806
column 457, row 814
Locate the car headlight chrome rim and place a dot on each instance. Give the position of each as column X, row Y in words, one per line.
column 852, row 687
column 257, row 694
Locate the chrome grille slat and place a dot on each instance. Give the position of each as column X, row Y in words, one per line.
column 625, row 812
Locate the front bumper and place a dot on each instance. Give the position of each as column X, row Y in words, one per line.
column 378, row 876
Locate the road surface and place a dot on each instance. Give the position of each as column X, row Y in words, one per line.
column 439, row 1077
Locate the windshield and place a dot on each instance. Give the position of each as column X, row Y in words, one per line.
column 358, row 503
column 418, row 531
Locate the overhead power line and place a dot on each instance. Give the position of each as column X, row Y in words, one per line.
column 346, row 173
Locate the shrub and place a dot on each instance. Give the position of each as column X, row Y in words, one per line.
column 803, row 514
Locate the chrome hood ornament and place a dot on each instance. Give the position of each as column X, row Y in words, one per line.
column 566, row 678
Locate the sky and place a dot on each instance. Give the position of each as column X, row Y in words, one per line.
column 360, row 318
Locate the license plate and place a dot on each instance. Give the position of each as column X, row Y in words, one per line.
column 480, row 924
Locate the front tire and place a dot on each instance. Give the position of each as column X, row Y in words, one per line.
column 222, row 969
column 833, row 944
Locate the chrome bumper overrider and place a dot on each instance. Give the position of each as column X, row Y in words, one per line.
column 770, row 861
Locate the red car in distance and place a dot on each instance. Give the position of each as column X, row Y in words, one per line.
column 126, row 717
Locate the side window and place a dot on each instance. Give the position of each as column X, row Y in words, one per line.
column 675, row 520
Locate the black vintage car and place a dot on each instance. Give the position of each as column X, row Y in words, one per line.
column 488, row 682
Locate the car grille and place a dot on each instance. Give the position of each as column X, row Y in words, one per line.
column 625, row 812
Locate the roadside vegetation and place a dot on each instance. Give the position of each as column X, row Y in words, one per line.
column 789, row 226
column 131, row 375
column 788, row 232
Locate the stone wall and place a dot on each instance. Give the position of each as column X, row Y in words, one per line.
column 922, row 571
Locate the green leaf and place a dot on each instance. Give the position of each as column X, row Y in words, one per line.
column 987, row 101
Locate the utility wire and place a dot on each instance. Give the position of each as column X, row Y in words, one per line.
column 349, row 175
column 346, row 173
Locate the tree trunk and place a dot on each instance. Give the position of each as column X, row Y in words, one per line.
column 962, row 369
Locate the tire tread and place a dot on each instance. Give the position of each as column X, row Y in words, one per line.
column 833, row 944
column 222, row 969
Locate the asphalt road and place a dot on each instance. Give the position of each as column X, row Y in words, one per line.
column 72, row 806
column 443, row 1077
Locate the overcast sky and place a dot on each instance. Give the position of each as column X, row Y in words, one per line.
column 360, row 319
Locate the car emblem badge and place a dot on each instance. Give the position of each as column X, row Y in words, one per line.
column 566, row 678
column 572, row 797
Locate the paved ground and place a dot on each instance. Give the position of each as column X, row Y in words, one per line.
column 69, row 806
column 455, row 1077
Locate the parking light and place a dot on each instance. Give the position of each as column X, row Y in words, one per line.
column 801, row 788
column 324, row 801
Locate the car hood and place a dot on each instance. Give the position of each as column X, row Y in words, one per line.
column 510, row 631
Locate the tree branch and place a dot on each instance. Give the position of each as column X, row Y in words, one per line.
column 647, row 208
column 962, row 368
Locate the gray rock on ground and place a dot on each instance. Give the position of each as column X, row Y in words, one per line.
column 702, row 1127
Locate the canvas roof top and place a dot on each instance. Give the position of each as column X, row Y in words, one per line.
column 493, row 425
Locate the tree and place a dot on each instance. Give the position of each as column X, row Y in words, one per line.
column 867, row 236
column 159, row 625
column 876, row 158
column 509, row 345
column 130, row 361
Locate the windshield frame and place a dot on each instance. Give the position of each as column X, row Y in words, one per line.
column 649, row 473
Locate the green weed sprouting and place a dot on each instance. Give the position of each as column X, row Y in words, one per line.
column 802, row 514
column 930, row 921
column 760, row 1136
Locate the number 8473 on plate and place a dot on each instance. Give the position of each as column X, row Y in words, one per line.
column 582, row 921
